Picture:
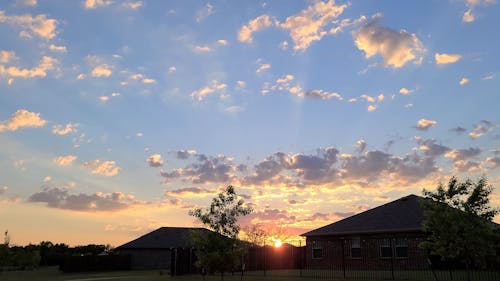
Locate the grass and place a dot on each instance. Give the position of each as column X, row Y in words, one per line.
column 53, row 274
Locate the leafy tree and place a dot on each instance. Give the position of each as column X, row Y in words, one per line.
column 219, row 250
column 459, row 222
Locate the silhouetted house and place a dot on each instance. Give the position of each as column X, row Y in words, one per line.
column 379, row 238
column 158, row 249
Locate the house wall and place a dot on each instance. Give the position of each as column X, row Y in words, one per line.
column 336, row 252
column 149, row 258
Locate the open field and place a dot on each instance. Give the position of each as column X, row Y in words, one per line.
column 53, row 274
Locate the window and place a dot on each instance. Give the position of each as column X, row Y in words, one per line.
column 385, row 248
column 317, row 250
column 401, row 247
column 355, row 248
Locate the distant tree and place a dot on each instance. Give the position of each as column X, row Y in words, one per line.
column 459, row 221
column 4, row 250
column 255, row 234
column 220, row 250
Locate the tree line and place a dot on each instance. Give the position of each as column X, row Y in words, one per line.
column 45, row 253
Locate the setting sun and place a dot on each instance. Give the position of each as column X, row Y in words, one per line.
column 277, row 243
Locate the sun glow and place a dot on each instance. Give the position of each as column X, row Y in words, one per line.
column 278, row 243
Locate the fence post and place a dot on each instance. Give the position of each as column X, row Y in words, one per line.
column 392, row 257
column 300, row 257
column 343, row 256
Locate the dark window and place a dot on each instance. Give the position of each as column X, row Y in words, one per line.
column 385, row 248
column 401, row 247
column 356, row 248
column 317, row 250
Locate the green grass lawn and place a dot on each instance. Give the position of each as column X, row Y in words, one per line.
column 53, row 274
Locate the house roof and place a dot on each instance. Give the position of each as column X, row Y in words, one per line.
column 163, row 238
column 402, row 215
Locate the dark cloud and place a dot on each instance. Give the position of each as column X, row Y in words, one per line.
column 481, row 128
column 190, row 191
column 184, row 154
column 205, row 170
column 431, row 148
column 493, row 162
column 462, row 154
column 463, row 166
column 367, row 166
column 61, row 198
column 459, row 130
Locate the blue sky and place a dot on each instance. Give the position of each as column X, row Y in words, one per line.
column 117, row 117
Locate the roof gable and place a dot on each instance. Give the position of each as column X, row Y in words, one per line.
column 401, row 215
column 163, row 238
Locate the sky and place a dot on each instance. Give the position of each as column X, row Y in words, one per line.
column 118, row 117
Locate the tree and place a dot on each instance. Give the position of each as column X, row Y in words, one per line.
column 219, row 250
column 459, row 222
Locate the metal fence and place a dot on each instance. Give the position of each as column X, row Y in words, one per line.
column 362, row 259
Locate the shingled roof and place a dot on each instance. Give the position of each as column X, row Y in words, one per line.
column 402, row 215
column 163, row 238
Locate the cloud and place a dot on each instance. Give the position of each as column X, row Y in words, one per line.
column 189, row 192
column 148, row 81
column 202, row 49
column 172, row 69
column 39, row 25
column 222, row 42
column 102, row 70
column 68, row 129
column 431, row 148
column 59, row 49
column 425, row 124
column 3, row 189
column 464, row 81
column 311, row 24
column 396, row 48
column 493, row 162
column 258, row 24
column 468, row 16
column 81, row 76
column 405, row 91
column 323, row 95
column 463, row 166
column 262, row 67
column 46, row 64
column 22, row 118
column 204, row 12
column 184, row 154
column 106, row 168
column 132, row 5
column 61, row 198
column 104, row 98
column 361, row 145
column 47, row 179
column 92, row 4
column 31, row 3
column 481, row 128
column 212, row 87
column 446, row 58
column 155, row 160
column 6, row 56
column 219, row 169
column 459, row 130
column 65, row 160
column 234, row 109
column 462, row 154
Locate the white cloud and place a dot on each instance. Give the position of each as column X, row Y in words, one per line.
column 4, row 189
column 46, row 64
column 204, row 12
column 212, row 87
column 22, row 118
column 39, row 25
column 202, row 49
column 148, row 81
column 468, row 16
column 309, row 24
column 262, row 67
column 222, row 42
column 106, row 168
column 104, row 98
column 371, row 108
column 6, row 56
column 47, row 179
column 481, row 128
column 92, row 4
column 396, row 48
column 233, row 109
column 31, row 3
column 155, row 160
column 55, row 48
column 172, row 69
column 65, row 160
column 425, row 124
column 81, row 76
column 259, row 23
column 102, row 70
column 60, row 130
column 446, row 58
column 464, row 81
column 132, row 5
column 405, row 91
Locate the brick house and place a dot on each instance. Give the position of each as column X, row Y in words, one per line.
column 380, row 238
column 160, row 248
